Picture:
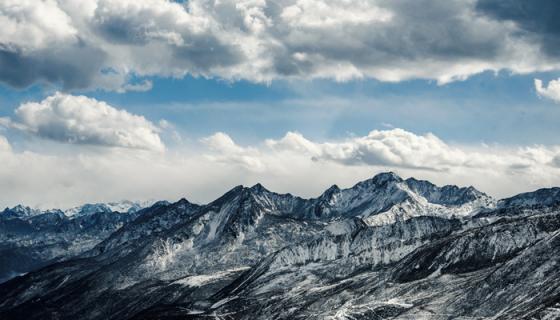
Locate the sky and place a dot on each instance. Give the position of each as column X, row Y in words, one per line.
column 106, row 100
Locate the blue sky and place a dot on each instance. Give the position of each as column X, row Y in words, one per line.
column 138, row 99
column 487, row 108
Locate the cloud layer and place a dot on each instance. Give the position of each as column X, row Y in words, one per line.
column 82, row 120
column 203, row 171
column 262, row 40
column 398, row 148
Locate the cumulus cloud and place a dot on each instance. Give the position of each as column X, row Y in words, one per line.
column 263, row 40
column 82, row 120
column 551, row 91
column 398, row 148
column 31, row 25
column 424, row 156
column 206, row 169
column 227, row 151
column 395, row 147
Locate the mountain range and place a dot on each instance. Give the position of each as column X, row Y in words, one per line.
column 386, row 248
column 31, row 238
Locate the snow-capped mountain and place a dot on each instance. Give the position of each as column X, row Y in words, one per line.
column 386, row 248
column 19, row 211
column 31, row 238
column 387, row 198
column 125, row 206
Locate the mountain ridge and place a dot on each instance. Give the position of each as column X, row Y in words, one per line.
column 22, row 211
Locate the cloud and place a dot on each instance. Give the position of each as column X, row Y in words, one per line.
column 225, row 150
column 72, row 174
column 538, row 22
column 31, row 25
column 398, row 148
column 496, row 169
column 551, row 91
column 82, row 120
column 145, row 85
column 556, row 161
column 5, row 146
column 39, row 43
column 264, row 40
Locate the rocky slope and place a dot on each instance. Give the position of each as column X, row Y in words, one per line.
column 387, row 248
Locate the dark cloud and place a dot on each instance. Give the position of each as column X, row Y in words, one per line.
column 445, row 40
column 202, row 54
column 73, row 67
column 539, row 19
column 419, row 39
column 123, row 31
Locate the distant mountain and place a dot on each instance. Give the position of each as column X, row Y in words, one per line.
column 540, row 198
column 20, row 212
column 32, row 238
column 386, row 248
column 120, row 207
column 23, row 212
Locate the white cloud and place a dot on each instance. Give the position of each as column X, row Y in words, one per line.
column 556, row 161
column 398, row 148
column 73, row 174
column 395, row 147
column 497, row 169
column 227, row 151
column 294, row 141
column 31, row 25
column 5, row 146
column 551, row 91
column 82, row 120
column 257, row 40
column 321, row 14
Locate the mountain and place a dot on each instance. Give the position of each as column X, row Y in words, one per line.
column 125, row 206
column 19, row 212
column 121, row 207
column 541, row 198
column 32, row 238
column 386, row 248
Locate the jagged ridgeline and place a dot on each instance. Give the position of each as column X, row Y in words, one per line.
column 387, row 248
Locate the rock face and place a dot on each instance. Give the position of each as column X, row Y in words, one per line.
column 386, row 248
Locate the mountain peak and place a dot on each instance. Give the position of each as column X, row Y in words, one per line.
column 20, row 211
column 258, row 188
column 379, row 180
column 182, row 201
column 386, row 176
column 333, row 188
